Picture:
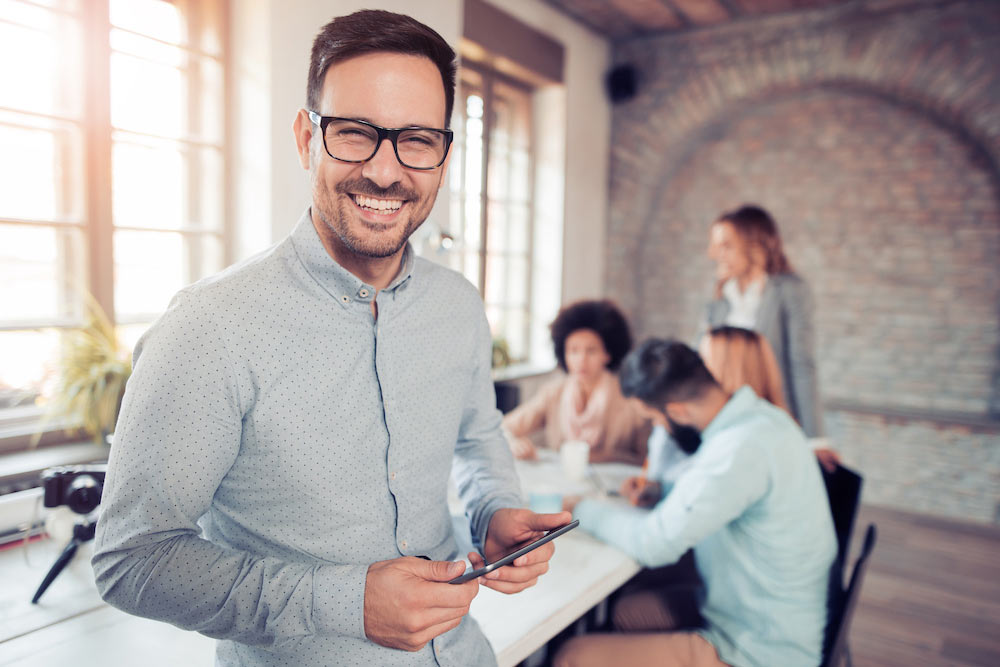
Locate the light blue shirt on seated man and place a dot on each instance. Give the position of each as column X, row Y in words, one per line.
column 754, row 508
column 275, row 440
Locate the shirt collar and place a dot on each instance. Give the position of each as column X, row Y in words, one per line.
column 335, row 279
column 739, row 403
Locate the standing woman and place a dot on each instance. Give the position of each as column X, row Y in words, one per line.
column 757, row 289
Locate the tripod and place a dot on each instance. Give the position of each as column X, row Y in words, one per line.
column 82, row 532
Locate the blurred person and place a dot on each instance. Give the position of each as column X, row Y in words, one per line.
column 765, row 585
column 758, row 289
column 590, row 339
column 279, row 480
column 735, row 356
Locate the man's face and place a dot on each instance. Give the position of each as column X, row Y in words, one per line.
column 371, row 209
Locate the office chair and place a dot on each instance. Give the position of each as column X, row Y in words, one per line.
column 843, row 489
column 840, row 608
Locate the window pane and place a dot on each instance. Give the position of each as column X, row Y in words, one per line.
column 155, row 18
column 496, row 270
column 28, row 364
column 210, row 114
column 45, row 47
column 150, row 267
column 147, row 97
column 149, row 188
column 42, row 270
column 40, row 168
column 129, row 334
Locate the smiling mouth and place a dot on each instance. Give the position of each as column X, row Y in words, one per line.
column 375, row 205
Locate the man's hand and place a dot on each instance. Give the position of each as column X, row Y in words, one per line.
column 509, row 529
column 524, row 449
column 828, row 458
column 641, row 492
column 408, row 601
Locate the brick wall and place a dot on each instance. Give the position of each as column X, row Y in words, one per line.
column 872, row 133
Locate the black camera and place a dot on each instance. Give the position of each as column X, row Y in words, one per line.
column 78, row 487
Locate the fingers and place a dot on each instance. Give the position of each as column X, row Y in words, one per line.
column 406, row 604
column 543, row 522
column 429, row 593
column 523, row 449
column 441, row 570
column 515, row 578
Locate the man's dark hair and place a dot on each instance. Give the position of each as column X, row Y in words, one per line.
column 601, row 317
column 665, row 371
column 374, row 31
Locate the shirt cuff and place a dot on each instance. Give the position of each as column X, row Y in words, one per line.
column 339, row 600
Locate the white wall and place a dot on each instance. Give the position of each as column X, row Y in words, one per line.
column 588, row 144
column 278, row 35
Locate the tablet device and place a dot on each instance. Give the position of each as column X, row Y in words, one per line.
column 514, row 555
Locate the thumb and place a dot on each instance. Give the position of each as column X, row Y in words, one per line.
column 444, row 570
column 547, row 521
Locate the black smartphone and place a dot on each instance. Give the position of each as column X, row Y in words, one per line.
column 514, row 555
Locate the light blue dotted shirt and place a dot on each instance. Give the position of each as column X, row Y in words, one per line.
column 275, row 440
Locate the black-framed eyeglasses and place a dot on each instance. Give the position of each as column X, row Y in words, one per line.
column 351, row 140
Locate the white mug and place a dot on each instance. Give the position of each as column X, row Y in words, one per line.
column 575, row 455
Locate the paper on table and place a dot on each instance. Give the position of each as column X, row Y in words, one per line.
column 611, row 476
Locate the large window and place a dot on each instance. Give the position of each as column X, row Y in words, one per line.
column 111, row 173
column 491, row 208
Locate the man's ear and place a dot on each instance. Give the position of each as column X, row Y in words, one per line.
column 303, row 130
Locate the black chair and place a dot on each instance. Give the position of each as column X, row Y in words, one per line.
column 840, row 608
column 843, row 488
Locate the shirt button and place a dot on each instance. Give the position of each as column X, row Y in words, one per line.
column 345, row 299
column 363, row 293
column 392, row 475
column 403, row 544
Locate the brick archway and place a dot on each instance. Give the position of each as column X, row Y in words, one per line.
column 927, row 76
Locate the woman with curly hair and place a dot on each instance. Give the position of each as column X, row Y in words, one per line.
column 590, row 339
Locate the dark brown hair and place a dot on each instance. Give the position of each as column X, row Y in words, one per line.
column 757, row 228
column 601, row 317
column 373, row 31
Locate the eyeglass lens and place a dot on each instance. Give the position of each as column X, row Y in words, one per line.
column 418, row 148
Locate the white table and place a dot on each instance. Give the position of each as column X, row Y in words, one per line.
column 72, row 626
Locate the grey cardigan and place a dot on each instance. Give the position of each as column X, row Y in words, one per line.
column 785, row 318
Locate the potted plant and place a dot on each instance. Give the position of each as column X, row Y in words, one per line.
column 93, row 369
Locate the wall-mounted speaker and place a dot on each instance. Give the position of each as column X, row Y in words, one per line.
column 622, row 82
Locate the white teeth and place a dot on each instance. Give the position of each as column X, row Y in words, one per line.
column 378, row 204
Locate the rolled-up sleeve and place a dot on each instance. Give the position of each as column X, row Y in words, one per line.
column 705, row 498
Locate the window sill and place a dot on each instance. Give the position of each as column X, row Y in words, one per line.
column 20, row 470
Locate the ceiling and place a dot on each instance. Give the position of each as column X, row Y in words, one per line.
column 624, row 19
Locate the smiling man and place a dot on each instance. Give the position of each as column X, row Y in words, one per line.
column 280, row 467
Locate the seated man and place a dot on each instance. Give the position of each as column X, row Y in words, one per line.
column 753, row 507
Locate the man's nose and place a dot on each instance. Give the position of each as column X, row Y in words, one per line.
column 383, row 168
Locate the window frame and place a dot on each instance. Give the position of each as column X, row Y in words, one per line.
column 19, row 426
column 489, row 76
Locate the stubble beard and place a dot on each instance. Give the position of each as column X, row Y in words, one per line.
column 337, row 211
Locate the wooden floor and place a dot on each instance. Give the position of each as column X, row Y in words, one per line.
column 931, row 595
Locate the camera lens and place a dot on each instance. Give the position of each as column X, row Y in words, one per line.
column 84, row 494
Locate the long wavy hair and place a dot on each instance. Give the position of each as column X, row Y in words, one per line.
column 737, row 357
column 759, row 232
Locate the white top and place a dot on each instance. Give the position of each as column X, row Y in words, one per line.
column 743, row 305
